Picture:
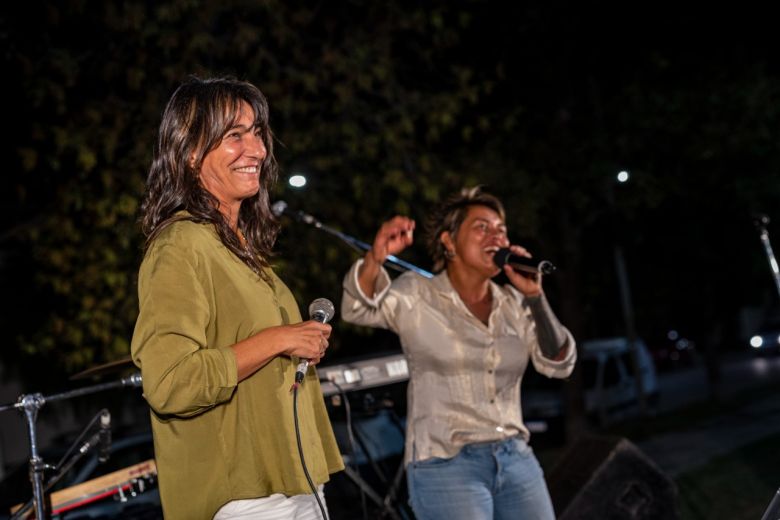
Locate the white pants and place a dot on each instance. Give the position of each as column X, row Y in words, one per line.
column 274, row 507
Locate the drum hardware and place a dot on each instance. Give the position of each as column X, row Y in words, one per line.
column 30, row 405
column 122, row 484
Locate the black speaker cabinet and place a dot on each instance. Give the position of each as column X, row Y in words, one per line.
column 608, row 478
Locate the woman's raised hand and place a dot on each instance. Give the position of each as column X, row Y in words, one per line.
column 394, row 236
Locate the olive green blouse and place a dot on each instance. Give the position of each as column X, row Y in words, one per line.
column 216, row 439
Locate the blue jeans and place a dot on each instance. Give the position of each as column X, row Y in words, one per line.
column 501, row 480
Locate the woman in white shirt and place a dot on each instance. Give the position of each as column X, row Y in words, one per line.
column 468, row 342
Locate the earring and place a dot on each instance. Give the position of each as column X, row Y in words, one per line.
column 448, row 254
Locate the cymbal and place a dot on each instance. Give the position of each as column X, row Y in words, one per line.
column 106, row 368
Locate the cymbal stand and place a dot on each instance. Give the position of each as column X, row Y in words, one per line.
column 30, row 404
column 71, row 457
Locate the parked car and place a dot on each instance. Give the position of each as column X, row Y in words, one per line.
column 609, row 382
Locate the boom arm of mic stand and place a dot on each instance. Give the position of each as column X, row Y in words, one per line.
column 392, row 261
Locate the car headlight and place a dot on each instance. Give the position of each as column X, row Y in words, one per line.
column 756, row 341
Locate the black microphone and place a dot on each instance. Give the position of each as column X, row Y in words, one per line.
column 321, row 310
column 522, row 263
column 104, row 443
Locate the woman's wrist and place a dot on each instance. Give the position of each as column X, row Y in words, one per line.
column 372, row 260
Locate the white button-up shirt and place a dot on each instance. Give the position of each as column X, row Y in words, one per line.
column 464, row 383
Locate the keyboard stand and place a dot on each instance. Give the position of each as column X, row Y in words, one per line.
column 389, row 502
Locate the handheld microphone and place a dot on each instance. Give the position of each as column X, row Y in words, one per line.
column 104, row 442
column 521, row 263
column 321, row 310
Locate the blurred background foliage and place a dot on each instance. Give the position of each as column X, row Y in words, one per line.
column 388, row 107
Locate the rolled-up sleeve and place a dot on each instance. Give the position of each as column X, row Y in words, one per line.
column 182, row 374
column 379, row 311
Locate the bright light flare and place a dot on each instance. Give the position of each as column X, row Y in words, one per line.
column 622, row 176
column 297, row 181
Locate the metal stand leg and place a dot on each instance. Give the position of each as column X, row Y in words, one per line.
column 355, row 477
column 773, row 511
column 390, row 497
column 31, row 403
column 761, row 222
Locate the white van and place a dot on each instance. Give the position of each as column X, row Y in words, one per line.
column 608, row 379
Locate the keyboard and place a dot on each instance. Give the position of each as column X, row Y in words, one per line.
column 362, row 374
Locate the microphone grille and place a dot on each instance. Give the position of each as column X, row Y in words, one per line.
column 322, row 310
column 501, row 256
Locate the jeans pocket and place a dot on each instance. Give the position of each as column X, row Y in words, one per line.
column 522, row 448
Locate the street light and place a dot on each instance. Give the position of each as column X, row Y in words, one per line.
column 297, row 181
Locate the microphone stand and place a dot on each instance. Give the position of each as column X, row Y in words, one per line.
column 393, row 262
column 761, row 222
column 30, row 404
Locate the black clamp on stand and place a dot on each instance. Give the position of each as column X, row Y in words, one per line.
column 30, row 404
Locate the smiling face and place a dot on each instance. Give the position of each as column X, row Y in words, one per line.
column 231, row 171
column 482, row 233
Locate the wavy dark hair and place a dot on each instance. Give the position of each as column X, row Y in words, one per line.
column 449, row 216
column 195, row 120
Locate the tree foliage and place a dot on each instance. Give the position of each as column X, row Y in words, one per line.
column 388, row 107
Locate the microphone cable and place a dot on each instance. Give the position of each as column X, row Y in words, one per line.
column 300, row 453
column 320, row 310
column 351, row 441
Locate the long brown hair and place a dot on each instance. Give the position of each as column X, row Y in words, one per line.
column 195, row 120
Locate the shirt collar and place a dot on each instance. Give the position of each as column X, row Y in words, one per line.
column 441, row 283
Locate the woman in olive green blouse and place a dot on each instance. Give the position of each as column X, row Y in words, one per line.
column 219, row 335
